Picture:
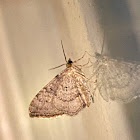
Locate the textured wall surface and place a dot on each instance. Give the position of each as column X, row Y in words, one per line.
column 30, row 35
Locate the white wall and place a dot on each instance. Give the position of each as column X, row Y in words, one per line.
column 30, row 34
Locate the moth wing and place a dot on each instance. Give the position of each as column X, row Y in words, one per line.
column 63, row 95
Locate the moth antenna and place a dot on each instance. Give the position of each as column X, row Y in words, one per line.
column 57, row 67
column 63, row 51
column 103, row 43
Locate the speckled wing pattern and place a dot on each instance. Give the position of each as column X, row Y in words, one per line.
column 118, row 80
column 67, row 94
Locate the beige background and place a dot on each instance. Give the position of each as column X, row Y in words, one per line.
column 30, row 34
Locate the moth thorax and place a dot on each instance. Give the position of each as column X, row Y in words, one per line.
column 69, row 63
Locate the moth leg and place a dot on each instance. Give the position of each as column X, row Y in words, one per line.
column 84, row 64
column 84, row 102
column 92, row 98
column 83, row 57
column 80, row 58
column 92, row 94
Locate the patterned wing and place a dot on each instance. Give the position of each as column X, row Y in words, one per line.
column 65, row 94
column 118, row 80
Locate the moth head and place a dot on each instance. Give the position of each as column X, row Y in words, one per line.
column 69, row 63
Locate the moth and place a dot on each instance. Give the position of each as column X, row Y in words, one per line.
column 67, row 93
